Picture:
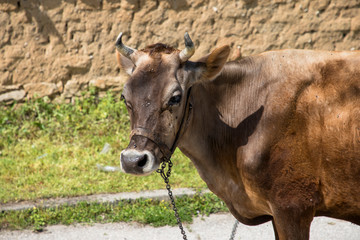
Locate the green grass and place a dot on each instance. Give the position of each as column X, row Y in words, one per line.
column 51, row 150
column 145, row 211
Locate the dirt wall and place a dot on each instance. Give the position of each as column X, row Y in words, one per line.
column 57, row 48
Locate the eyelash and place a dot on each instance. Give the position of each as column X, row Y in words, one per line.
column 174, row 100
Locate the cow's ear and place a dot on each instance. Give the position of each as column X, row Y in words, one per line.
column 214, row 62
column 125, row 63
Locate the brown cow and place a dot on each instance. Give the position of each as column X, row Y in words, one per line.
column 276, row 135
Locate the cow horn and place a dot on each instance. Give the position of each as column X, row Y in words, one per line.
column 189, row 50
column 123, row 49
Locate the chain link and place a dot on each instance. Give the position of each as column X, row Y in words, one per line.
column 233, row 232
column 166, row 175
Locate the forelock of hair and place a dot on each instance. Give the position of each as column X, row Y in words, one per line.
column 158, row 48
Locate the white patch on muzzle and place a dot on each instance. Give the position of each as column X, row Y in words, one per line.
column 146, row 169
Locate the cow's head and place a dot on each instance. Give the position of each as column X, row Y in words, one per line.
column 156, row 96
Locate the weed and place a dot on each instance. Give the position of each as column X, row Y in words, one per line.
column 51, row 149
column 147, row 211
column 37, row 220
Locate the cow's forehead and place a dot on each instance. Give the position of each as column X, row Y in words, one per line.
column 153, row 72
column 166, row 59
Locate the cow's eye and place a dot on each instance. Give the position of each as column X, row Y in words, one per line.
column 128, row 105
column 174, row 100
column 122, row 98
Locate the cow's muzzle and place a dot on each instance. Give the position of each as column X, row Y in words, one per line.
column 144, row 154
column 138, row 162
column 144, row 133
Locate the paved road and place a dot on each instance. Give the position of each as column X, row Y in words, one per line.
column 217, row 226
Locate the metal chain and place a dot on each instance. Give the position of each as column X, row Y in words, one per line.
column 165, row 176
column 233, row 232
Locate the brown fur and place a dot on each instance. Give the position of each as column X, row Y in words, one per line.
column 158, row 48
column 276, row 136
column 303, row 158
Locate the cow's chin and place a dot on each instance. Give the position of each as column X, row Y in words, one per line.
column 137, row 162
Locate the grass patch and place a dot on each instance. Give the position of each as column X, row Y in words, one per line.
column 147, row 211
column 51, row 149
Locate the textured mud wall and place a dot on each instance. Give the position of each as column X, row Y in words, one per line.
column 57, row 48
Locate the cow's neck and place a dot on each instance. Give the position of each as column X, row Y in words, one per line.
column 223, row 118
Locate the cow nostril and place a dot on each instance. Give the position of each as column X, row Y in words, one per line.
column 143, row 161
